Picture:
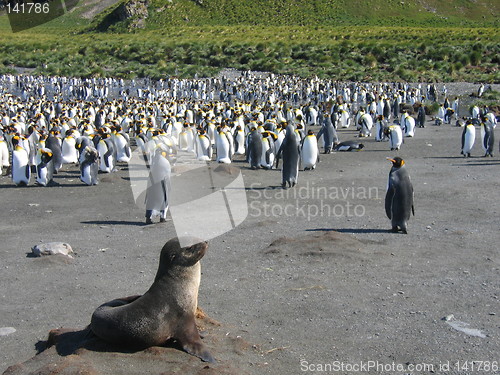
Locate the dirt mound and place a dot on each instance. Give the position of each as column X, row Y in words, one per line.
column 72, row 351
column 320, row 244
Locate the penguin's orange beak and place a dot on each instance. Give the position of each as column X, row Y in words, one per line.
column 391, row 160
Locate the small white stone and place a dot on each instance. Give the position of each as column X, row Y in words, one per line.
column 5, row 331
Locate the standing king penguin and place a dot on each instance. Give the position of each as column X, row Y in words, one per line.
column 290, row 151
column 157, row 193
column 487, row 137
column 21, row 171
column 89, row 166
column 254, row 148
column 468, row 138
column 399, row 196
column 395, row 135
column 309, row 154
column 44, row 168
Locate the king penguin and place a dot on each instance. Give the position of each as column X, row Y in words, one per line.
column 329, row 134
column 203, row 146
column 68, row 148
column 366, row 123
column 44, row 168
column 380, row 126
column 157, row 193
column 223, row 147
column 4, row 155
column 239, row 141
column 290, row 152
column 349, row 146
column 106, row 149
column 21, row 172
column 408, row 125
column 54, row 144
column 399, row 196
column 268, row 151
column 468, row 138
column 254, row 148
column 89, row 166
column 309, row 154
column 487, row 137
column 395, row 135
column 121, row 142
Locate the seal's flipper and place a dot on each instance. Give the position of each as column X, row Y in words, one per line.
column 199, row 350
column 192, row 344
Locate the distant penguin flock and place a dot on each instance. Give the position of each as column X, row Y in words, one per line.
column 269, row 122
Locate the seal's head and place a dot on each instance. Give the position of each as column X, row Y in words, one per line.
column 182, row 252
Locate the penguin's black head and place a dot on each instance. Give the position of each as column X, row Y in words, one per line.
column 15, row 140
column 46, row 156
column 397, row 162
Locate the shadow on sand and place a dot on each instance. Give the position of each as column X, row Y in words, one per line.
column 350, row 230
column 114, row 222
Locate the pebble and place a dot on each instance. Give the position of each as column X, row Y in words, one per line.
column 447, row 318
column 5, row 331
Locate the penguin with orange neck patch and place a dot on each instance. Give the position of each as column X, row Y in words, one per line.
column 399, row 196
column 21, row 171
column 44, row 168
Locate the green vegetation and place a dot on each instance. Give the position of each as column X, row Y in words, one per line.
column 331, row 13
column 490, row 99
column 188, row 37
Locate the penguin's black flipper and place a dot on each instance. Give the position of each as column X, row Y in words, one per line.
column 278, row 155
column 236, row 143
column 268, row 156
column 164, row 191
column 413, row 209
column 463, row 139
column 231, row 147
column 388, row 201
column 38, row 170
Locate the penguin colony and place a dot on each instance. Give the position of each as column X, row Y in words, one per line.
column 47, row 123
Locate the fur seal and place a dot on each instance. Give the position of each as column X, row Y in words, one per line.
column 166, row 311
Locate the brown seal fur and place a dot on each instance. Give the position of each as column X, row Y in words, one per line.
column 166, row 311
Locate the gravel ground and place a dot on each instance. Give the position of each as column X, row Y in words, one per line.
column 312, row 279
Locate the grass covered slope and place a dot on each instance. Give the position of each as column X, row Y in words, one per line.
column 324, row 12
column 187, row 37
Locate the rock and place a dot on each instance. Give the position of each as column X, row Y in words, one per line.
column 447, row 318
column 52, row 248
column 133, row 11
column 5, row 331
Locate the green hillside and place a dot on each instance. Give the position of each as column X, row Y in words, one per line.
column 443, row 13
column 371, row 40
